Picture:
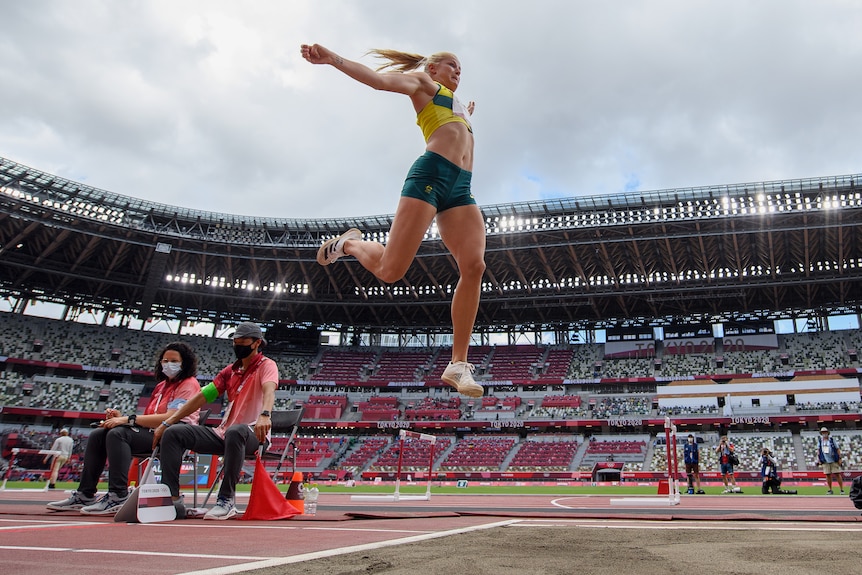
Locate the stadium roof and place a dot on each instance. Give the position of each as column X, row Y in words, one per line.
column 759, row 250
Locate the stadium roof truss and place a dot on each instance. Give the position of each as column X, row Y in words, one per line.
column 765, row 250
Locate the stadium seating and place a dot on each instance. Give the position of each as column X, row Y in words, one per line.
column 400, row 366
column 433, row 409
column 49, row 369
column 364, row 450
column 341, row 365
column 325, row 406
column 557, row 363
column 513, row 362
column 416, row 454
column 479, row 453
column 606, row 407
column 632, row 452
column 545, row 453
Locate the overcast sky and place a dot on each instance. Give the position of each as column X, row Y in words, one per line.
column 209, row 105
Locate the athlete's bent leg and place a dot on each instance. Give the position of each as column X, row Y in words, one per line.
column 389, row 263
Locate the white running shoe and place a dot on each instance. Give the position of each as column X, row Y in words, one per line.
column 223, row 509
column 459, row 375
column 333, row 248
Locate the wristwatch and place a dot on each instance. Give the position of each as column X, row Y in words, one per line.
column 266, row 413
column 132, row 419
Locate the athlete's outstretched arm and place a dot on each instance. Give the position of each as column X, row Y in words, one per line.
column 409, row 83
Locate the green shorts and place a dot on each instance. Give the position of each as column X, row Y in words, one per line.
column 436, row 180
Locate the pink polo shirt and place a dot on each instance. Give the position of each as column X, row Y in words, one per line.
column 173, row 395
column 244, row 391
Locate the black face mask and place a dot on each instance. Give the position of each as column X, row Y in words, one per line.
column 242, row 351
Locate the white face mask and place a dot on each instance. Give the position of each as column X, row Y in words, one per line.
column 172, row 368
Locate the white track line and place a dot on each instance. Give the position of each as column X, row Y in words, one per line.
column 126, row 552
column 231, row 569
column 42, row 524
column 236, row 525
column 51, row 526
column 680, row 525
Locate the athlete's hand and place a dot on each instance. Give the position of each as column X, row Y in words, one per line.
column 471, row 105
column 317, row 54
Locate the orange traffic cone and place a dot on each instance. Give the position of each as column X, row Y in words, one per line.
column 294, row 492
column 265, row 502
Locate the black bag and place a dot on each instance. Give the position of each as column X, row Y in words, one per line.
column 856, row 491
column 733, row 459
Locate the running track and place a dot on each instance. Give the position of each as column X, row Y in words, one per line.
column 34, row 540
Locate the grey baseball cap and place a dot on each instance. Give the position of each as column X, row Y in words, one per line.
column 249, row 329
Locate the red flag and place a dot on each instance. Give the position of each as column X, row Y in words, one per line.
column 266, row 502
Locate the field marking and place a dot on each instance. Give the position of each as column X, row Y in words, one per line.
column 556, row 502
column 680, row 525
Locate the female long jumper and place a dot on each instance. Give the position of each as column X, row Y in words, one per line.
column 438, row 185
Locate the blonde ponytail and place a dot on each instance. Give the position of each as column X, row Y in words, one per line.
column 405, row 61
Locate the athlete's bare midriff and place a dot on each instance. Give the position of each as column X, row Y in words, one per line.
column 454, row 142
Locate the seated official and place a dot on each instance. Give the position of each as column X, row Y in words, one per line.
column 119, row 436
column 250, row 383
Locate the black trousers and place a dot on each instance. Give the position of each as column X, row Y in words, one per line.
column 115, row 447
column 239, row 441
column 771, row 484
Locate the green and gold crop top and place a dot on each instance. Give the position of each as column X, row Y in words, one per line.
column 443, row 108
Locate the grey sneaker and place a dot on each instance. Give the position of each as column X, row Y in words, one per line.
column 108, row 504
column 75, row 502
column 460, row 376
column 223, row 509
column 333, row 248
column 180, row 506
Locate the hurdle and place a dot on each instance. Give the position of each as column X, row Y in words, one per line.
column 397, row 496
column 672, row 474
column 15, row 452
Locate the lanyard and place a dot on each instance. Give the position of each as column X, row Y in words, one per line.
column 251, row 369
column 245, row 376
column 171, row 393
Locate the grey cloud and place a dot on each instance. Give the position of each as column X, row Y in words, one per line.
column 208, row 104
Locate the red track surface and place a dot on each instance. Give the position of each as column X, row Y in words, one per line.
column 34, row 540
